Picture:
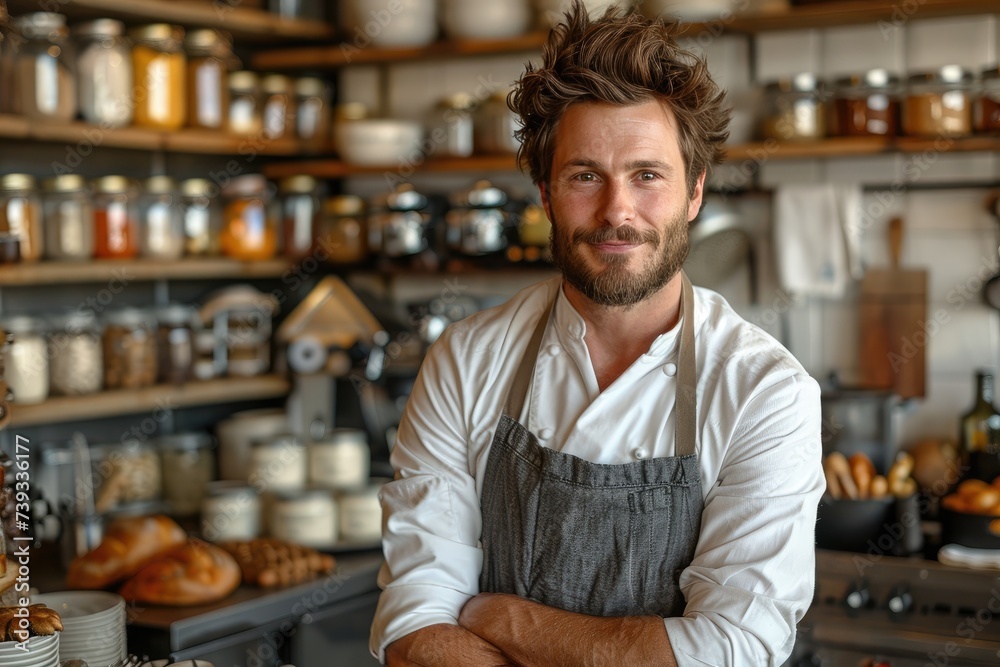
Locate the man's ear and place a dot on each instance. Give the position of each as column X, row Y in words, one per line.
column 543, row 190
column 694, row 203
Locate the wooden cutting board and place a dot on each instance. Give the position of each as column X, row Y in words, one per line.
column 894, row 341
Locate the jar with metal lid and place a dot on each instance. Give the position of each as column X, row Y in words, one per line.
column 277, row 106
column 794, row 109
column 159, row 69
column 115, row 218
column 397, row 225
column 124, row 474
column 451, row 128
column 312, row 113
column 300, row 208
column 161, row 222
column 104, row 78
column 340, row 460
column 188, row 464
column 866, row 105
column 361, row 513
column 308, row 518
column 495, row 124
column 44, row 67
column 26, row 359
column 987, row 105
column 939, row 103
column 278, row 463
column 341, row 232
column 175, row 343
column 210, row 55
column 230, row 511
column 69, row 218
column 129, row 349
column 477, row 223
column 21, row 214
column 202, row 216
column 76, row 367
column 250, row 221
column 244, row 102
column 248, row 341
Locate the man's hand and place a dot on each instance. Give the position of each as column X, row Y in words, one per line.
column 444, row 646
column 534, row 635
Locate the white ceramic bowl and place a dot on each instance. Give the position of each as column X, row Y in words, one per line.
column 380, row 142
column 371, row 22
column 486, row 19
column 688, row 10
column 552, row 11
column 42, row 652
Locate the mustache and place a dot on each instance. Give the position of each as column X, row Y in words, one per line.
column 623, row 234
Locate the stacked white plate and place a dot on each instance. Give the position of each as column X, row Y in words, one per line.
column 93, row 625
column 42, row 652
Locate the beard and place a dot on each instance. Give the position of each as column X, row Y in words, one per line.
column 614, row 285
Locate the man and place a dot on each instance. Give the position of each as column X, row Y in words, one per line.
column 612, row 468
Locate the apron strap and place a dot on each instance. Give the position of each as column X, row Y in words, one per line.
column 522, row 380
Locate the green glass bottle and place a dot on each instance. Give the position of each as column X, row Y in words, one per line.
column 980, row 433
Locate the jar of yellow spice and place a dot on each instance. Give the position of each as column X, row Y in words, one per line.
column 159, row 69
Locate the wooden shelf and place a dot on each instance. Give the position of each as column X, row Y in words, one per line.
column 243, row 23
column 135, row 401
column 337, row 169
column 798, row 17
column 98, row 271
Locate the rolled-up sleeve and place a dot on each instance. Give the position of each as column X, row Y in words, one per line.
column 753, row 573
column 431, row 515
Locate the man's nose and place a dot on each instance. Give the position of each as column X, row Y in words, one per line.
column 617, row 205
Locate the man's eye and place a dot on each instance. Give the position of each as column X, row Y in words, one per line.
column 647, row 176
column 586, row 177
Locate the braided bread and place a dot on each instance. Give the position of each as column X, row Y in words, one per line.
column 42, row 622
column 192, row 573
column 269, row 562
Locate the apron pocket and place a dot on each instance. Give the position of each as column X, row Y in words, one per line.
column 659, row 553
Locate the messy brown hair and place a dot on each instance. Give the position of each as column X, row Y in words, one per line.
column 624, row 59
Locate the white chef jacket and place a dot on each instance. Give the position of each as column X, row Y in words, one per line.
column 759, row 449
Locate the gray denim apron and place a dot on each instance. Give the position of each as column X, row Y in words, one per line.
column 598, row 539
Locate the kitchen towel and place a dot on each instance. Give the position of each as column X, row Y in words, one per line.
column 817, row 236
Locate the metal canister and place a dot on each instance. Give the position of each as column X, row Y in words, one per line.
column 477, row 223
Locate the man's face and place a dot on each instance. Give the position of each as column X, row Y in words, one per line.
column 618, row 201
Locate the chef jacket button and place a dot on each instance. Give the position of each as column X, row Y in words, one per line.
column 553, row 350
column 576, row 331
column 639, row 453
column 670, row 369
column 545, row 433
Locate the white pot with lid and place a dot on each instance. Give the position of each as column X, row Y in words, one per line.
column 390, row 23
column 486, row 19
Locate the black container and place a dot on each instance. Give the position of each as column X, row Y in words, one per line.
column 970, row 530
column 886, row 526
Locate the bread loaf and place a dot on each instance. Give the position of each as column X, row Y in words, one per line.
column 268, row 562
column 193, row 573
column 128, row 544
column 42, row 622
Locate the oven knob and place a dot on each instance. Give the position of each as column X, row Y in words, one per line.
column 857, row 597
column 900, row 601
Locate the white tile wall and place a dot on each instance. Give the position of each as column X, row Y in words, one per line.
column 967, row 40
column 783, row 54
column 853, row 49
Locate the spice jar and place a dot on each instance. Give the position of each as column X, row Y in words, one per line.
column 939, row 103
column 312, row 113
column 43, row 67
column 202, row 216
column 244, row 103
column 867, row 105
column 794, row 109
column 77, row 364
column 987, row 106
column 175, row 343
column 159, row 76
column 396, row 226
column 25, row 360
column 278, row 112
column 129, row 349
column 340, row 460
column 210, row 53
column 300, row 207
column 341, row 233
column 230, row 511
column 104, row 77
column 249, row 223
column 21, row 214
column 308, row 518
column 115, row 218
column 451, row 127
column 477, row 223
column 495, row 124
column 188, row 465
column 161, row 225
column 69, row 218
column 125, row 473
column 278, row 463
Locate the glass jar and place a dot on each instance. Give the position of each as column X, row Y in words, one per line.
column 161, row 222
column 340, row 460
column 312, row 113
column 308, row 518
column 69, row 218
column 300, row 207
column 175, row 343
column 115, row 218
column 21, row 214
column 249, row 222
column 867, row 105
column 343, row 116
column 26, row 359
column 341, row 231
column 124, row 474
column 104, row 76
column 244, row 103
column 794, row 109
column 202, row 216
column 76, row 367
column 987, row 106
column 230, row 511
column 210, row 54
column 361, row 514
column 44, row 67
column 477, row 223
column 278, row 463
column 130, row 358
column 939, row 103
column 396, row 225
column 159, row 76
column 248, row 344
column 277, row 106
column 188, row 464
column 494, row 126
column 451, row 128
column 204, row 366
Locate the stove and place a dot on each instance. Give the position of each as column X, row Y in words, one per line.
column 882, row 611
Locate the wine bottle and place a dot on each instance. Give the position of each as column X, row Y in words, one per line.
column 980, row 433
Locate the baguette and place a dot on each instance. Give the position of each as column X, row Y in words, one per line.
column 879, row 487
column 842, row 469
column 192, row 573
column 863, row 471
column 128, row 544
column 832, row 485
